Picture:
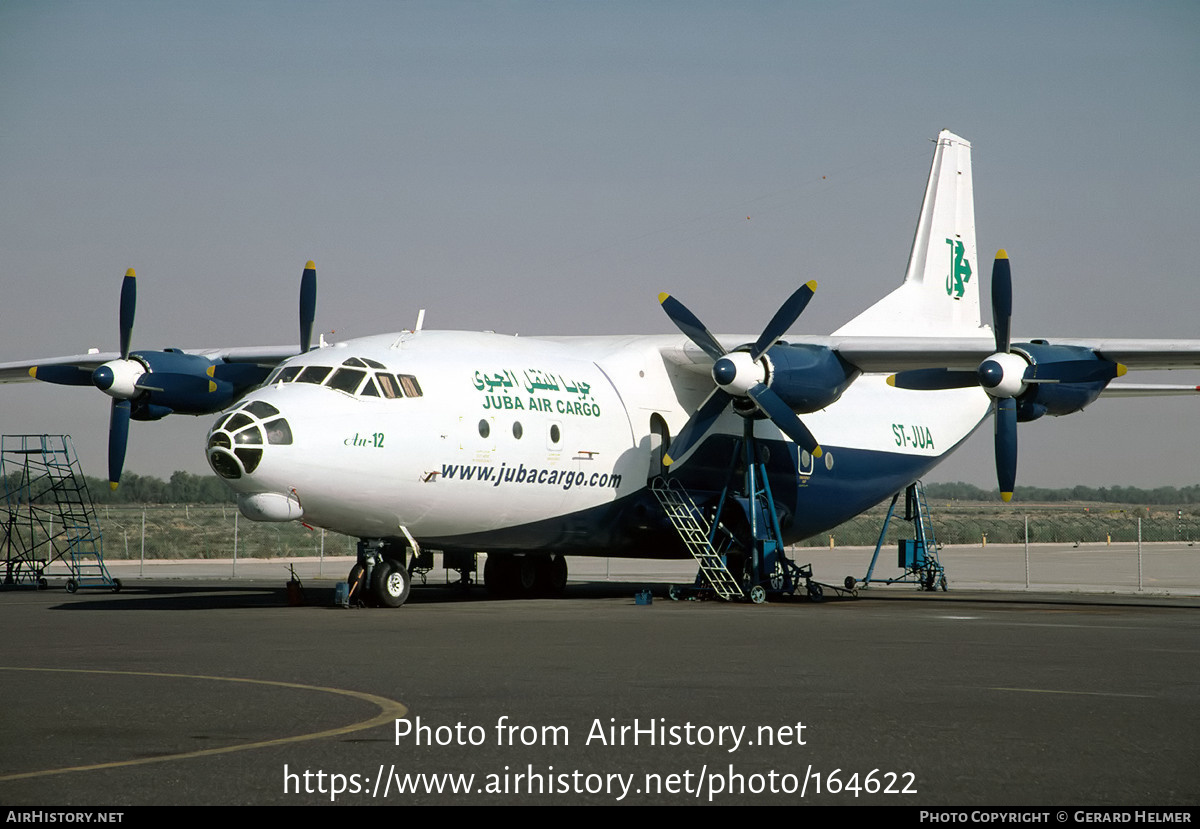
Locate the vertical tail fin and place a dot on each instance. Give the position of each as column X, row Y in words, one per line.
column 940, row 294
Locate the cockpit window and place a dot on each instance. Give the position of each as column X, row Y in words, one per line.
column 314, row 374
column 388, row 384
column 236, row 422
column 411, row 387
column 346, row 379
column 366, row 377
column 278, row 432
column 261, row 409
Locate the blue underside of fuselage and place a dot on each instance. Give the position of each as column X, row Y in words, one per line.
column 636, row 527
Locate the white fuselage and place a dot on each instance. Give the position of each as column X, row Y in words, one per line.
column 530, row 440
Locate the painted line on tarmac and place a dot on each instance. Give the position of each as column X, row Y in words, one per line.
column 1075, row 693
column 389, row 711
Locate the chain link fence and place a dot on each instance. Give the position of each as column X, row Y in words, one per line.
column 200, row 532
column 965, row 524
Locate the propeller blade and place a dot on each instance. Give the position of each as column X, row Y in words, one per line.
column 1002, row 301
column 1074, row 371
column 118, row 438
column 690, row 324
column 128, row 307
column 697, row 426
column 1006, row 446
column 308, row 305
column 62, row 375
column 783, row 417
column 934, row 379
column 787, row 314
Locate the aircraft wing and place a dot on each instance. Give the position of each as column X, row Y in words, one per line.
column 18, row 371
column 892, row 354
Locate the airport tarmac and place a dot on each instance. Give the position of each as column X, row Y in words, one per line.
column 207, row 689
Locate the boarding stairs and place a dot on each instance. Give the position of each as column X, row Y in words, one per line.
column 696, row 534
column 48, row 514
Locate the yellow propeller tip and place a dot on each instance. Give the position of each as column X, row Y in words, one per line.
column 310, row 265
column 891, row 381
column 1002, row 254
column 33, row 372
column 212, row 387
column 113, row 485
column 1122, row 369
column 811, row 284
column 817, row 452
column 1006, row 496
column 131, row 272
column 668, row 460
column 663, row 297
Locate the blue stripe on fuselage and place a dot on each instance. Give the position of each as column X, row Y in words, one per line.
column 635, row 527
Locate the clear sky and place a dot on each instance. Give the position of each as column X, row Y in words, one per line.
column 550, row 167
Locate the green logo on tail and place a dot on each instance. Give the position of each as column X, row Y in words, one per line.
column 960, row 271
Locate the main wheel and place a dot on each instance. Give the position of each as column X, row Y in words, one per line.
column 758, row 594
column 390, row 583
column 815, row 593
column 72, row 585
column 552, row 576
column 498, row 575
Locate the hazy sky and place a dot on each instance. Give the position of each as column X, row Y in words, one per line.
column 550, row 167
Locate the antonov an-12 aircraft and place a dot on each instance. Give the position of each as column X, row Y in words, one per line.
column 536, row 448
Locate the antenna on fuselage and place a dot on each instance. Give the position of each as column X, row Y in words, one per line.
column 420, row 319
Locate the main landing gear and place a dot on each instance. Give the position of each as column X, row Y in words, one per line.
column 380, row 577
column 525, row 576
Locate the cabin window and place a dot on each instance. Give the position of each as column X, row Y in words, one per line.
column 517, row 430
column 288, row 374
column 484, row 429
column 369, row 390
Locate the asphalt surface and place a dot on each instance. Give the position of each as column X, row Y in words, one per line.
column 215, row 691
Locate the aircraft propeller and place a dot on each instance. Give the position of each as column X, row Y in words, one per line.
column 148, row 385
column 741, row 375
column 1007, row 374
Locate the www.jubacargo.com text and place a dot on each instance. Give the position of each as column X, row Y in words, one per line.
column 703, row 784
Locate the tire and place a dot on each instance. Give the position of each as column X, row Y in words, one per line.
column 116, row 585
column 497, row 575
column 552, row 577
column 72, row 585
column 815, row 593
column 390, row 583
column 525, row 576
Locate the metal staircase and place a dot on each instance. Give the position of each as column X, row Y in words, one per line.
column 48, row 515
column 697, row 535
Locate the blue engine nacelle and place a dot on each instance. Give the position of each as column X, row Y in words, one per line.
column 179, row 383
column 1089, row 375
column 807, row 377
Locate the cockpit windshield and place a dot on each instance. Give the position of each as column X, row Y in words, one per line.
column 358, row 376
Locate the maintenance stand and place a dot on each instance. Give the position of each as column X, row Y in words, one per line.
column 764, row 567
column 918, row 556
column 48, row 515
